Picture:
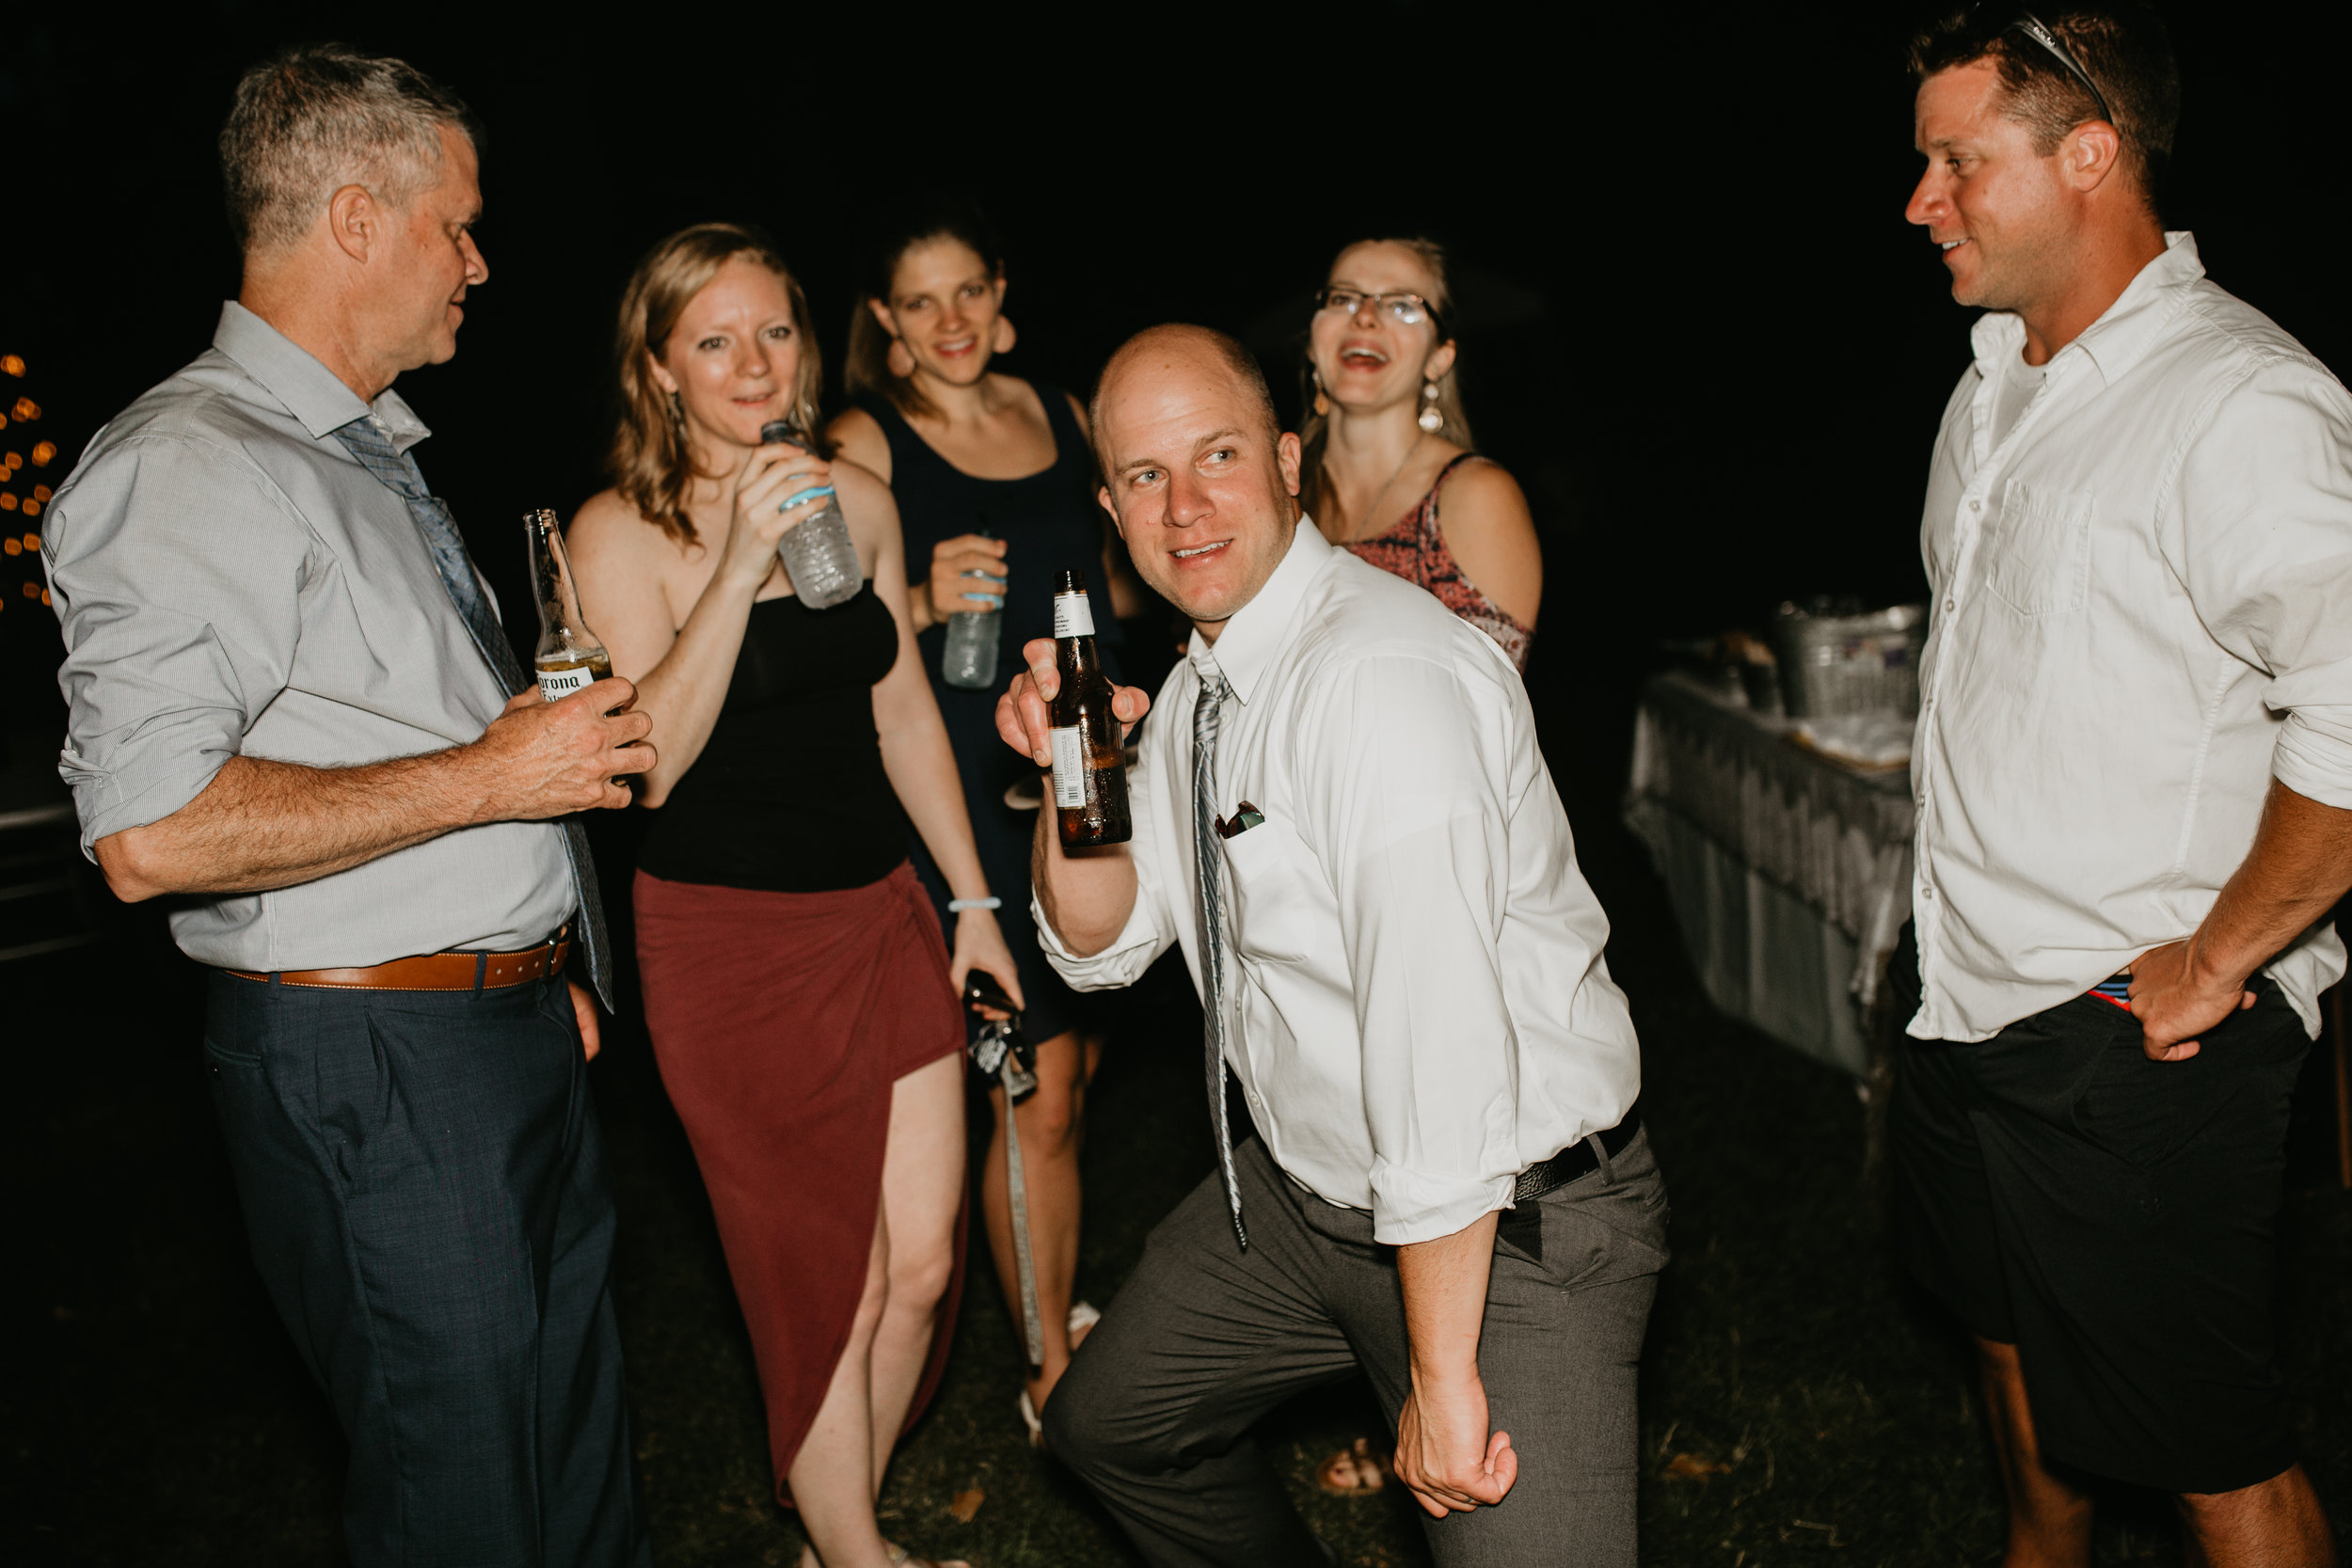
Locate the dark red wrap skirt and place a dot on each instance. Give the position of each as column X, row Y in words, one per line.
column 779, row 1021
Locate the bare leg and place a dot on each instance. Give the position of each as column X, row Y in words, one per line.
column 922, row 1199
column 2049, row 1521
column 836, row 1478
column 1052, row 1125
column 2273, row 1524
column 833, row 1475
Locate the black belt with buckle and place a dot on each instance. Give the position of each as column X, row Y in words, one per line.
column 1577, row 1161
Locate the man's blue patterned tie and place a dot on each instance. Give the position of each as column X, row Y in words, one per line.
column 1207, row 713
column 368, row 442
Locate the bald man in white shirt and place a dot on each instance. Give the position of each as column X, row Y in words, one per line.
column 2134, row 777
column 1343, row 819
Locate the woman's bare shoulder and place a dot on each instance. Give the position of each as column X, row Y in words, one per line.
column 859, row 436
column 872, row 511
column 609, row 527
column 1481, row 491
column 856, row 481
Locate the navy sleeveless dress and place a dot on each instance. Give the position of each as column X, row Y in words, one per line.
column 1050, row 522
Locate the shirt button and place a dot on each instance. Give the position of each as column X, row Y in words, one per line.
column 1926, row 892
column 1976, row 506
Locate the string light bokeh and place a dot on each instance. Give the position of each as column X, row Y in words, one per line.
column 27, row 466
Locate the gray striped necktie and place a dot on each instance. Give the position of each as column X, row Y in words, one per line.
column 368, row 442
column 1207, row 713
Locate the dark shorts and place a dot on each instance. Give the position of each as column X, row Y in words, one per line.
column 2116, row 1220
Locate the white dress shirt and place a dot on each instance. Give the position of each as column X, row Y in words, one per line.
column 232, row 581
column 2142, row 616
column 1417, row 1006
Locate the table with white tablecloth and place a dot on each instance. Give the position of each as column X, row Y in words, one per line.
column 1789, row 873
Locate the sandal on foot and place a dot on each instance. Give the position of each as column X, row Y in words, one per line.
column 1029, row 1418
column 1357, row 1470
column 1084, row 1315
column 901, row 1557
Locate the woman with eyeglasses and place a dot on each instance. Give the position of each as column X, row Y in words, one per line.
column 996, row 486
column 802, row 1002
column 1386, row 444
column 1385, row 441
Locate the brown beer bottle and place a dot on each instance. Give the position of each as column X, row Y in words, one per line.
column 1089, row 782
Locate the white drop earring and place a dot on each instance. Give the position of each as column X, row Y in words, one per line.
column 1431, row 420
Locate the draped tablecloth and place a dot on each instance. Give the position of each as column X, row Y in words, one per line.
column 1789, row 873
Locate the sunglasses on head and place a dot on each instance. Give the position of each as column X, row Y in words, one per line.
column 2033, row 28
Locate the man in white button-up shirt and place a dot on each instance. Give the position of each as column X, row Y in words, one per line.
column 2134, row 777
column 1402, row 965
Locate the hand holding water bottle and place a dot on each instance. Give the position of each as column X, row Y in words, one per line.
column 966, row 589
column 818, row 554
column 967, row 573
column 780, row 488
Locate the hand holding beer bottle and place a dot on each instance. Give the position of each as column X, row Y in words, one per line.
column 569, row 657
column 1068, row 717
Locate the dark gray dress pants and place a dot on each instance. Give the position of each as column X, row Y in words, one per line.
column 1157, row 1407
column 426, row 1194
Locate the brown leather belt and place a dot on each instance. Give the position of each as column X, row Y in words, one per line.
column 436, row 971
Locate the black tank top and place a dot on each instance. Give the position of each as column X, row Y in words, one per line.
column 1050, row 522
column 789, row 795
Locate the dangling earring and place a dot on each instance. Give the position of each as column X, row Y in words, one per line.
column 1322, row 404
column 1431, row 420
column 678, row 411
column 901, row 359
column 1002, row 339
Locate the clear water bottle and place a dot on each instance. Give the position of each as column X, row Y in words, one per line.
column 970, row 660
column 816, row 552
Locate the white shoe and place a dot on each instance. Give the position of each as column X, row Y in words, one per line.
column 1029, row 1419
column 1084, row 1315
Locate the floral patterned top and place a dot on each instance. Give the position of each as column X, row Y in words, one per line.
column 1415, row 550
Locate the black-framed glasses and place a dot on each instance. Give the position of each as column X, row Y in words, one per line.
column 2034, row 28
column 1406, row 309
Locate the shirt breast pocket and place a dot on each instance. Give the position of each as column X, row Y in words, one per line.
column 1273, row 907
column 2037, row 552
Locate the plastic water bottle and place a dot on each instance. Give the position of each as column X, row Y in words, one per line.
column 816, row 552
column 970, row 660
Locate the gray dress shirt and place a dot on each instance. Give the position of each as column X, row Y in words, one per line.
column 232, row 581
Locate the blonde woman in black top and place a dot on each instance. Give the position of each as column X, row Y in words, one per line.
column 802, row 1003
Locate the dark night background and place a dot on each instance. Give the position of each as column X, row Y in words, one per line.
column 1695, row 324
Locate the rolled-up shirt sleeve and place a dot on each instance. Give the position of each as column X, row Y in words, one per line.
column 1150, row 929
column 2264, row 535
column 1410, row 792
column 176, row 571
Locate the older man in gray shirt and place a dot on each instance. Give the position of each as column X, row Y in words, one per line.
column 292, row 706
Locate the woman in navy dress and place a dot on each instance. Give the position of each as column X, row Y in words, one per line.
column 993, row 475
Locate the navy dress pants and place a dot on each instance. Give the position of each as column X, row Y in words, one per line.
column 426, row 1194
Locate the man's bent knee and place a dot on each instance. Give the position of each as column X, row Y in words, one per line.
column 1083, row 1425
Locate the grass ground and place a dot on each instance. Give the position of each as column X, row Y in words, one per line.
column 1801, row 1404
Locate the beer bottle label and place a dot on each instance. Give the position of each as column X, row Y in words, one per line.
column 563, row 683
column 1072, row 615
column 1070, row 766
